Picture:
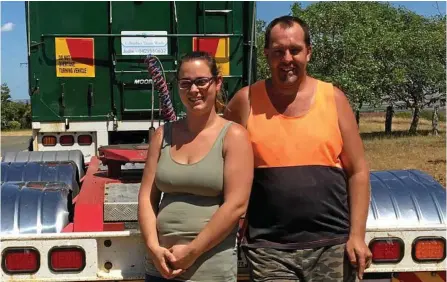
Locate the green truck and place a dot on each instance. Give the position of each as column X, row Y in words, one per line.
column 88, row 80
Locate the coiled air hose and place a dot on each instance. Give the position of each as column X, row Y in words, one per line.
column 159, row 80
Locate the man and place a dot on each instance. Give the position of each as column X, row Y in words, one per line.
column 309, row 203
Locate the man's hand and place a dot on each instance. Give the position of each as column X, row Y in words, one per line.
column 182, row 256
column 161, row 256
column 359, row 254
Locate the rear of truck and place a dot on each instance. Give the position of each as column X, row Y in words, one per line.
column 88, row 79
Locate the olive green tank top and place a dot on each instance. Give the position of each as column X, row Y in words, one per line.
column 192, row 193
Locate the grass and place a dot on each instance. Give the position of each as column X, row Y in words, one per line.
column 400, row 150
column 20, row 132
column 425, row 114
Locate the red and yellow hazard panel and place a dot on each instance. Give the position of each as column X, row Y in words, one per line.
column 420, row 277
column 219, row 48
column 75, row 57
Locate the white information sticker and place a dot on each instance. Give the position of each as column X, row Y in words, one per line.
column 144, row 45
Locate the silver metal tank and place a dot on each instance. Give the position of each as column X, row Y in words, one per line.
column 53, row 171
column 75, row 156
column 35, row 207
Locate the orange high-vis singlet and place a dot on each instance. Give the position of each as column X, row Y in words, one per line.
column 299, row 195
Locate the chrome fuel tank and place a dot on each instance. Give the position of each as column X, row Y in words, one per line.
column 75, row 156
column 65, row 172
column 35, row 207
column 405, row 198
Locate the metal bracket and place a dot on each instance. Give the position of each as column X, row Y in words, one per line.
column 35, row 44
column 115, row 124
column 91, row 100
column 36, row 88
column 63, row 95
column 218, row 11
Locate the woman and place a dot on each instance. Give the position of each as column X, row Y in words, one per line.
column 203, row 164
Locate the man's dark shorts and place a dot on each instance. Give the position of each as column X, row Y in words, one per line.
column 311, row 265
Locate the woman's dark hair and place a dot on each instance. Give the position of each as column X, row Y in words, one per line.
column 211, row 62
column 198, row 55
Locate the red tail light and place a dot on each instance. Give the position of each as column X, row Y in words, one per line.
column 20, row 260
column 49, row 140
column 66, row 259
column 66, row 140
column 84, row 140
column 386, row 250
column 429, row 249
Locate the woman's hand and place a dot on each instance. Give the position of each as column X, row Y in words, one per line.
column 182, row 256
column 161, row 258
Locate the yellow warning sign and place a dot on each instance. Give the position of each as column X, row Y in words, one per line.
column 75, row 57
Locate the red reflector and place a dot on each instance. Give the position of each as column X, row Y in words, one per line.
column 65, row 259
column 84, row 140
column 429, row 249
column 66, row 140
column 20, row 260
column 386, row 250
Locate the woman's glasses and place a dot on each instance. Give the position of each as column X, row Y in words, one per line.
column 201, row 82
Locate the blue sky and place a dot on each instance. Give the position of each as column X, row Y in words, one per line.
column 14, row 49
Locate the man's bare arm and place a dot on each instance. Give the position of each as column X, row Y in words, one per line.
column 356, row 167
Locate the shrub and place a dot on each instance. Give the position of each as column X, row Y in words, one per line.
column 13, row 125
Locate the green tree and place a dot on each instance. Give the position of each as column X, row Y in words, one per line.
column 262, row 71
column 5, row 93
column 23, row 114
column 8, row 110
column 422, row 63
column 14, row 115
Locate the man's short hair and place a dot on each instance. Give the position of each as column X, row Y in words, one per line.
column 287, row 22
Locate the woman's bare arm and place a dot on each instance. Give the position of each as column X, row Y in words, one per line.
column 149, row 196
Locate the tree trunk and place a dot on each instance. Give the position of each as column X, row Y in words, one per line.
column 357, row 113
column 357, row 117
column 415, row 121
column 389, row 119
column 434, row 121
